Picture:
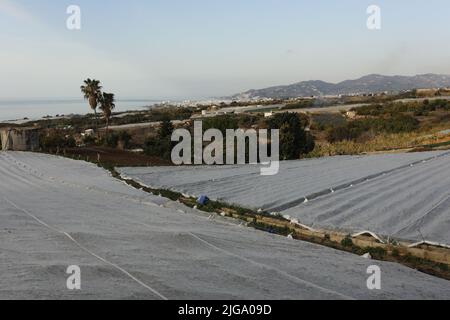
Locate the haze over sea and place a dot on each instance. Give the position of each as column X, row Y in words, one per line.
column 16, row 109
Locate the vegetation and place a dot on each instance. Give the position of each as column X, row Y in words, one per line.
column 302, row 104
column 382, row 127
column 347, row 241
column 161, row 145
column 325, row 121
column 174, row 113
column 295, row 141
column 92, row 92
column 55, row 140
column 221, row 123
column 354, row 130
column 393, row 108
column 107, row 105
column 114, row 139
column 253, row 103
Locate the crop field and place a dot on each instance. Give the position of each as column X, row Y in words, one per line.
column 399, row 195
column 56, row 213
column 412, row 203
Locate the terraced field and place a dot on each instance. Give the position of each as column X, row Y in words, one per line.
column 55, row 213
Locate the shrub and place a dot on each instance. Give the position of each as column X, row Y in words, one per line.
column 161, row 145
column 377, row 252
column 125, row 138
column 353, row 130
column 394, row 108
column 161, row 114
column 89, row 140
column 56, row 140
column 324, row 121
column 166, row 129
column 221, row 123
column 304, row 104
column 348, row 132
column 398, row 124
column 158, row 147
column 347, row 241
column 70, row 142
column 247, row 121
column 396, row 253
column 294, row 140
column 111, row 140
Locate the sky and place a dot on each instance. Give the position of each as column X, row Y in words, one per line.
column 191, row 49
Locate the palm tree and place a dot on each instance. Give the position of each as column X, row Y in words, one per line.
column 92, row 91
column 107, row 105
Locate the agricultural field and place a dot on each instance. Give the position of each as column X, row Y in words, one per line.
column 56, row 212
column 411, row 203
column 401, row 195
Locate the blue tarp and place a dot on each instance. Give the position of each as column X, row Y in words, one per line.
column 203, row 200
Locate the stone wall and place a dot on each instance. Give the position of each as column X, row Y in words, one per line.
column 20, row 139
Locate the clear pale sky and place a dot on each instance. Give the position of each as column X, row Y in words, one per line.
column 203, row 48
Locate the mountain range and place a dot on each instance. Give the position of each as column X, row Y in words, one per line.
column 373, row 83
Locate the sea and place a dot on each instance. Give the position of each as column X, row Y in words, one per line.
column 13, row 110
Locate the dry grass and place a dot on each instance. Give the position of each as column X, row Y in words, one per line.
column 380, row 143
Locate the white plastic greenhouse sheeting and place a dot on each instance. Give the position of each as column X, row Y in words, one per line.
column 412, row 203
column 400, row 195
column 296, row 179
column 55, row 213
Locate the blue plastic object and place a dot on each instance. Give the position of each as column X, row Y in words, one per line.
column 203, row 200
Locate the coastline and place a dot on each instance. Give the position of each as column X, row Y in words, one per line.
column 21, row 111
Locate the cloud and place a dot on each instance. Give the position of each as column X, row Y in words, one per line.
column 15, row 10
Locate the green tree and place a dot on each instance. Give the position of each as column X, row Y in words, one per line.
column 161, row 145
column 92, row 91
column 107, row 105
column 295, row 141
column 157, row 147
column 166, row 129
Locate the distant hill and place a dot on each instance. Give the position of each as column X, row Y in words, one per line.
column 373, row 83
